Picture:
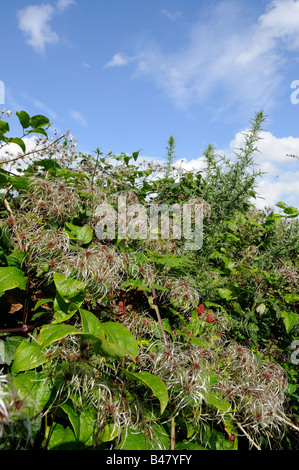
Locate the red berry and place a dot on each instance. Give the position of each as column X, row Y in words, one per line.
column 200, row 309
column 209, row 319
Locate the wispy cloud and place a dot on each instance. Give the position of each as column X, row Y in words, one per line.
column 228, row 60
column 77, row 116
column 171, row 15
column 64, row 4
column 34, row 22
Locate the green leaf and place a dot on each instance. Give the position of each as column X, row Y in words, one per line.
column 62, row 438
column 289, row 319
column 41, row 302
column 156, row 384
column 47, row 164
column 109, row 432
column 225, row 293
column 83, row 234
column 82, row 423
column 54, row 332
column 15, row 258
column 119, row 340
column 24, row 119
column 67, row 287
column 27, row 357
column 4, row 177
column 38, row 130
column 214, row 400
column 4, row 127
column 65, row 310
column 38, row 121
column 135, row 284
column 12, row 277
column 292, row 298
column 10, row 344
column 34, row 385
column 20, row 182
column 134, row 440
column 91, row 324
column 110, row 339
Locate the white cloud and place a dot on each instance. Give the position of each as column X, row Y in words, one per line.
column 280, row 181
column 118, row 60
column 34, row 22
column 77, row 116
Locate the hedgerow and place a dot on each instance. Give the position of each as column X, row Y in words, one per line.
column 137, row 342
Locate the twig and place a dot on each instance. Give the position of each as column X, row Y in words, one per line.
column 289, row 423
column 247, row 435
column 2, row 162
column 172, row 435
column 21, row 329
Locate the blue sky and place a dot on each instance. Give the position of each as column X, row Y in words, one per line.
column 126, row 74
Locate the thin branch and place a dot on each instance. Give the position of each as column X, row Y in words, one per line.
column 2, row 162
column 289, row 423
column 172, row 438
column 247, row 435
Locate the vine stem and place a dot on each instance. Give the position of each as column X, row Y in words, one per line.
column 156, row 308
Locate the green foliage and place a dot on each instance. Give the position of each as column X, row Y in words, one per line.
column 132, row 343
